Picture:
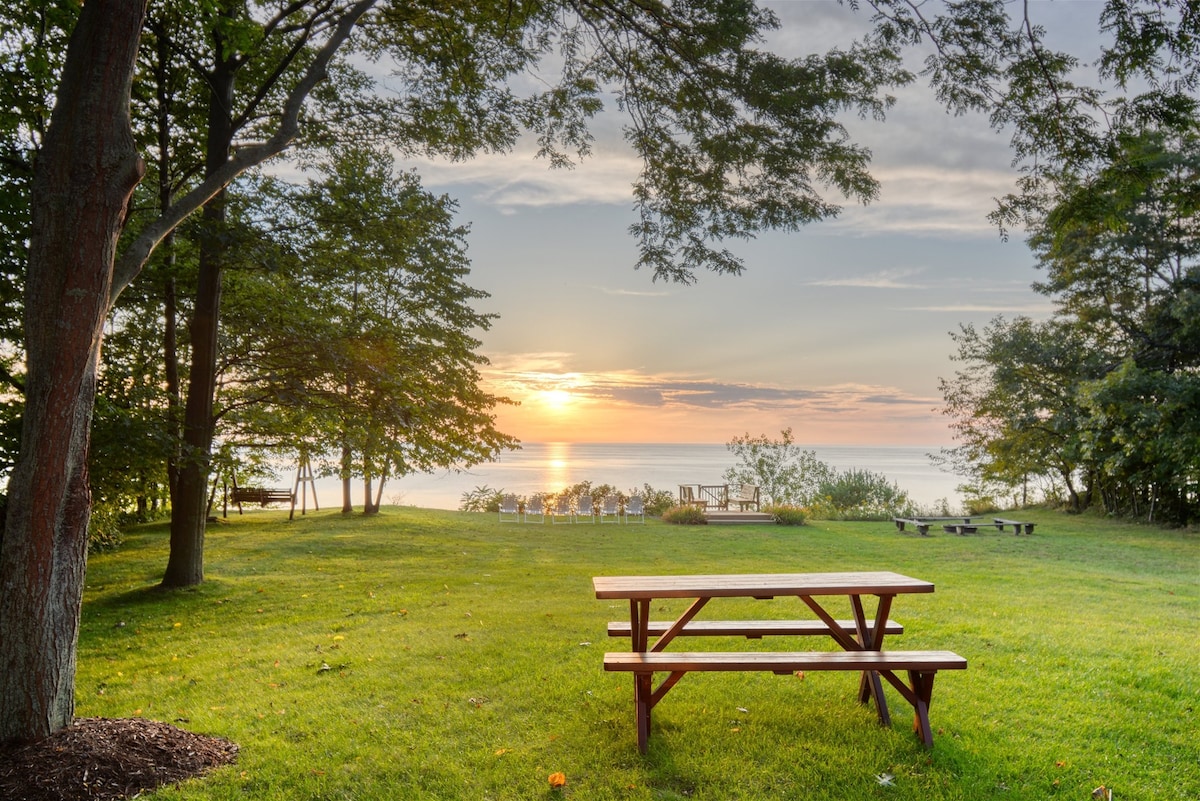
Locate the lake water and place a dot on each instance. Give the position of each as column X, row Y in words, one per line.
column 549, row 467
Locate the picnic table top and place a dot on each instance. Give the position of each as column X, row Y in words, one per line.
column 758, row 585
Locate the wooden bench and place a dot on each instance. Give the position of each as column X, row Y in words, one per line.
column 919, row 525
column 260, row 495
column 922, row 667
column 750, row 629
column 969, row 528
column 747, row 495
column 1016, row 524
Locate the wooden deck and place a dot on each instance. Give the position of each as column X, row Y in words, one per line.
column 723, row 516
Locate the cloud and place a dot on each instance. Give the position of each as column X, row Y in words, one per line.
column 1029, row 309
column 516, row 376
column 509, row 181
column 884, row 279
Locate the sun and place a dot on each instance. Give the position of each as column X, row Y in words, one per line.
column 556, row 398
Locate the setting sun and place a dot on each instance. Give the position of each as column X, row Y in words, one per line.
column 556, row 398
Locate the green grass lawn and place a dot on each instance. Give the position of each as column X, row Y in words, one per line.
column 443, row 655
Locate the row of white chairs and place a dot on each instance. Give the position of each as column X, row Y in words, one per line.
column 609, row 510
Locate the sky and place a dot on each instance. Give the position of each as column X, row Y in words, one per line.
column 839, row 332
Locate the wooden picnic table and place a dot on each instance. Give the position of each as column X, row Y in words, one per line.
column 860, row 637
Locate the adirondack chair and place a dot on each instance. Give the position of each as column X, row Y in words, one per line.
column 610, row 507
column 510, row 509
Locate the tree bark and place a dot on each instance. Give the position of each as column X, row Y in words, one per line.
column 85, row 176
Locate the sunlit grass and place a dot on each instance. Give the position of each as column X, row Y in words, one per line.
column 442, row 655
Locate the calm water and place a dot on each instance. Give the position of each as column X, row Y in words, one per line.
column 548, row 467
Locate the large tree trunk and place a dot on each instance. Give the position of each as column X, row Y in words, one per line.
column 189, row 506
column 86, row 173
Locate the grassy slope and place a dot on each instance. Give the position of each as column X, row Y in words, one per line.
column 441, row 655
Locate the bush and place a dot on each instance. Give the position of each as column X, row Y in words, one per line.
column 104, row 528
column 481, row 499
column 787, row 514
column 657, row 502
column 685, row 516
column 861, row 495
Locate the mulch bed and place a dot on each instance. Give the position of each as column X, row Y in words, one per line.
column 101, row 759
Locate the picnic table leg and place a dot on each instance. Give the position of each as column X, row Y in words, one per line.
column 869, row 685
column 922, row 685
column 642, row 695
column 639, row 623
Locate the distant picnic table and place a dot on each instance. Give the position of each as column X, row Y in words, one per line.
column 962, row 525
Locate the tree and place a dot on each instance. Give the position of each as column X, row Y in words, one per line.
column 1015, row 408
column 1142, row 435
column 1121, row 251
column 1122, row 257
column 85, row 175
column 366, row 339
column 784, row 473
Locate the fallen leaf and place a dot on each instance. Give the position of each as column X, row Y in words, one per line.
column 501, row 751
column 558, row 779
column 885, row 780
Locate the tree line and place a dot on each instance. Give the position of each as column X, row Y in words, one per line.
column 1099, row 405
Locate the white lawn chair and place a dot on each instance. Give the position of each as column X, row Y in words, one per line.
column 562, row 508
column 584, row 509
column 510, row 507
column 634, row 507
column 535, row 506
column 610, row 507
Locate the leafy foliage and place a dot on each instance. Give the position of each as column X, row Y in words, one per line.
column 785, row 473
column 1097, row 400
column 787, row 514
column 685, row 515
column 481, row 499
column 857, row 494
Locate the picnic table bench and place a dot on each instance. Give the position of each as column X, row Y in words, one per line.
column 860, row 638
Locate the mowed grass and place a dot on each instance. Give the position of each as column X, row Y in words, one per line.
column 441, row 655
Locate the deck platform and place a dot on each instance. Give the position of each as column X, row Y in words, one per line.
column 732, row 516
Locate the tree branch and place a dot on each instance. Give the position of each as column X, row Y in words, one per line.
column 134, row 258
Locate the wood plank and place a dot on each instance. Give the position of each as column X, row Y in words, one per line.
column 782, row 661
column 758, row 585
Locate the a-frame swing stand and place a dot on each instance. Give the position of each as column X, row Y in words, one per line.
column 267, row 495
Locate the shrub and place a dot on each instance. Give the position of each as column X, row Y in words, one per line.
column 861, row 495
column 481, row 499
column 657, row 502
column 787, row 514
column 104, row 528
column 685, row 516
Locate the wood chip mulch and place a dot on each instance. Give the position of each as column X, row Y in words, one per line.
column 102, row 759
